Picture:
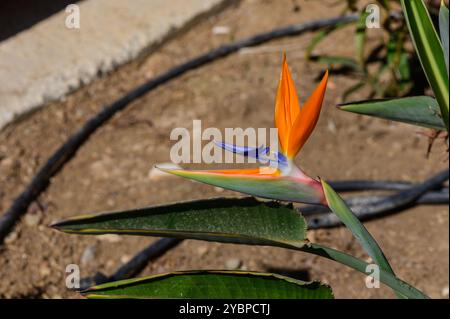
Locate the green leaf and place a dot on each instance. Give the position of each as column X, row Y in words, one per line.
column 337, row 60
column 386, row 277
column 404, row 71
column 283, row 188
column 443, row 29
column 417, row 110
column 212, row 285
column 352, row 89
column 397, row 57
column 242, row 221
column 245, row 221
column 429, row 50
column 360, row 39
column 340, row 208
column 384, row 4
column 319, row 36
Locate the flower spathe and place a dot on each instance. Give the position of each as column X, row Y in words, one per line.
column 281, row 179
column 295, row 123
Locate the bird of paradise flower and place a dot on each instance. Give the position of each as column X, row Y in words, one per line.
column 281, row 179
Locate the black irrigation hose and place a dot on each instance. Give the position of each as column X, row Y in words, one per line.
column 358, row 185
column 385, row 205
column 429, row 198
column 65, row 152
column 138, row 262
column 135, row 265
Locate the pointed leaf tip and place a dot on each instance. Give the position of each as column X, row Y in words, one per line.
column 287, row 106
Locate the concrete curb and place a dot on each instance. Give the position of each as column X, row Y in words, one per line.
column 49, row 60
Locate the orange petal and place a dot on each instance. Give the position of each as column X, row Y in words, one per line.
column 309, row 115
column 248, row 171
column 287, row 107
column 264, row 171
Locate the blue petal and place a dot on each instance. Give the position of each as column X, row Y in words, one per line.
column 253, row 152
column 278, row 160
column 281, row 158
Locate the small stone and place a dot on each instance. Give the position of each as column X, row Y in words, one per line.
column 221, row 30
column 156, row 174
column 218, row 189
column 202, row 250
column 88, row 254
column 441, row 219
column 7, row 163
column 331, row 85
column 331, row 126
column 311, row 235
column 44, row 270
column 368, row 260
column 160, row 270
column 33, row 218
column 59, row 114
column 444, row 292
column 111, row 202
column 109, row 264
column 11, row 238
column 124, row 259
column 110, row 238
column 101, row 169
column 233, row 263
